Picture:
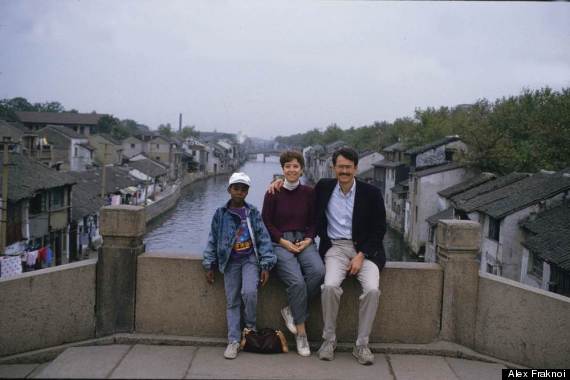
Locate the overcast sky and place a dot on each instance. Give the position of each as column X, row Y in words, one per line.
column 270, row 68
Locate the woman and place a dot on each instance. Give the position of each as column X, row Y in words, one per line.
column 289, row 217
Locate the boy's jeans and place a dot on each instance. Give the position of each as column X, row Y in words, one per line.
column 241, row 278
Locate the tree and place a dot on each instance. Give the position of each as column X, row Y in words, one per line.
column 188, row 131
column 106, row 123
column 165, row 130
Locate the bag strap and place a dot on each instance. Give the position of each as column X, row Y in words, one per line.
column 283, row 340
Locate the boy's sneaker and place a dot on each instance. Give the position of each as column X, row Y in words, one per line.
column 326, row 352
column 363, row 354
column 288, row 317
column 231, row 351
column 302, row 345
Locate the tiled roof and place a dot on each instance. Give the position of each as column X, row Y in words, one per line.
column 86, row 194
column 445, row 214
column 397, row 147
column 437, row 169
column 550, row 237
column 110, row 138
column 27, row 177
column 435, row 144
column 388, row 164
column 12, row 130
column 466, row 185
column 59, row 118
column 148, row 167
column 66, row 131
column 468, row 200
column 401, row 187
column 518, row 195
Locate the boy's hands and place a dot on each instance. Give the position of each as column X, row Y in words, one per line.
column 210, row 276
column 264, row 277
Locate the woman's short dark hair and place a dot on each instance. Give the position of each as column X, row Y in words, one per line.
column 348, row 153
column 291, row 155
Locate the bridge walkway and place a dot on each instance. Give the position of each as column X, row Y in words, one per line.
column 207, row 362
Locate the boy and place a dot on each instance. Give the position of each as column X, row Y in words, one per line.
column 239, row 246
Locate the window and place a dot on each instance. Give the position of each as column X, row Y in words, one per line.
column 132, row 146
column 494, row 229
column 75, row 152
column 157, row 146
column 37, row 204
column 157, row 158
column 534, row 265
column 57, row 197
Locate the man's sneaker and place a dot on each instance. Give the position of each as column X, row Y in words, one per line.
column 231, row 351
column 288, row 317
column 363, row 354
column 302, row 345
column 326, row 352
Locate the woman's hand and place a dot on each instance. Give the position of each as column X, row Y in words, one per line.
column 290, row 246
column 304, row 244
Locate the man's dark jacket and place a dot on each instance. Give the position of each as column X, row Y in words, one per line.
column 368, row 219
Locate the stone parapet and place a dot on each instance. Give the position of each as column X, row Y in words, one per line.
column 174, row 298
column 459, row 235
column 47, row 307
column 123, row 221
column 122, row 229
column 458, row 245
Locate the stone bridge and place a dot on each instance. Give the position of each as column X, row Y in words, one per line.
column 131, row 296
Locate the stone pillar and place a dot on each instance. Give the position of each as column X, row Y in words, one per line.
column 122, row 229
column 458, row 244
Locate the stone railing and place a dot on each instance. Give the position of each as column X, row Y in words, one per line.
column 420, row 302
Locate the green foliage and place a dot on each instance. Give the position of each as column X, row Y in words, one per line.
column 527, row 132
column 165, row 130
column 188, row 131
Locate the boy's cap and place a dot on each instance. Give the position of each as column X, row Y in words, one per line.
column 240, row 178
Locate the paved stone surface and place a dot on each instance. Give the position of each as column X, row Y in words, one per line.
column 474, row 370
column 413, row 367
column 155, row 362
column 209, row 363
column 16, row 371
column 85, row 362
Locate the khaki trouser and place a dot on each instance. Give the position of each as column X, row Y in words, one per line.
column 337, row 260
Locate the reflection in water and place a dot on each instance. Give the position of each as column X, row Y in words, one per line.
column 185, row 228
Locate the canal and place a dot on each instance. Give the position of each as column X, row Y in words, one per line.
column 184, row 229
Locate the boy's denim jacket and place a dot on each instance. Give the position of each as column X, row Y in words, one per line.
column 223, row 234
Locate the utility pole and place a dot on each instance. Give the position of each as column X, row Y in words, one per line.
column 103, row 174
column 5, row 164
column 179, row 124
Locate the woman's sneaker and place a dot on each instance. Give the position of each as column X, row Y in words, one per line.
column 302, row 345
column 288, row 317
column 231, row 351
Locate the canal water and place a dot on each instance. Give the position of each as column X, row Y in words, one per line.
column 184, row 229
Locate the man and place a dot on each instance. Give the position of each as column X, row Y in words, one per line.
column 351, row 222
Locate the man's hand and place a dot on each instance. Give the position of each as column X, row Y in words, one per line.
column 275, row 186
column 210, row 276
column 355, row 264
column 290, row 246
column 264, row 277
